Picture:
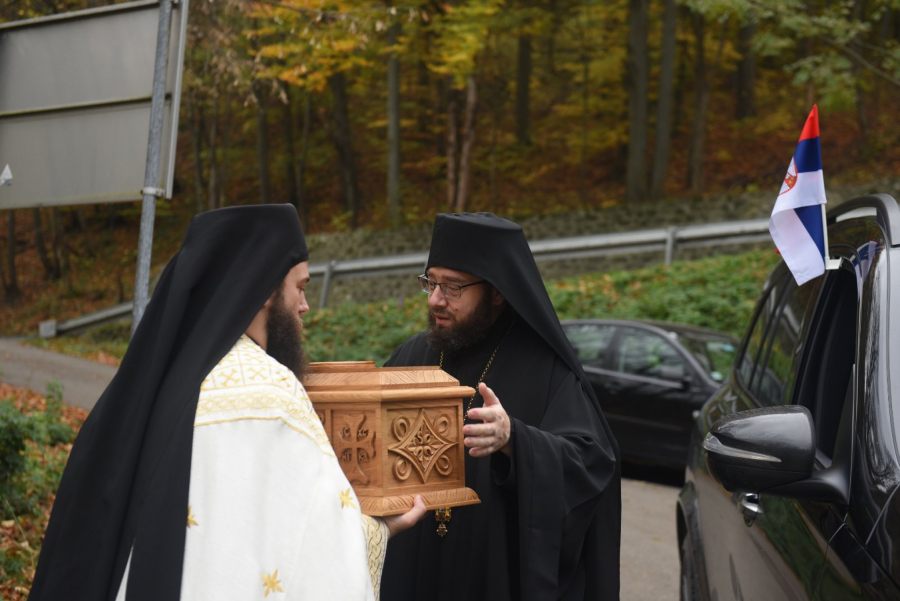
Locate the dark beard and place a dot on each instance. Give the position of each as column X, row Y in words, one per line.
column 283, row 338
column 464, row 334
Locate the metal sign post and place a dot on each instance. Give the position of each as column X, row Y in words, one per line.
column 151, row 176
column 103, row 116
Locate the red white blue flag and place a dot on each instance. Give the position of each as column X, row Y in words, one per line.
column 797, row 224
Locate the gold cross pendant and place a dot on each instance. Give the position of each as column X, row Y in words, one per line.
column 442, row 515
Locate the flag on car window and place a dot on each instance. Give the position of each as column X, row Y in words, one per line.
column 797, row 224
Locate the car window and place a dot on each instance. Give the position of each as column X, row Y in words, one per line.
column 715, row 355
column 591, row 341
column 644, row 353
column 755, row 340
column 774, row 365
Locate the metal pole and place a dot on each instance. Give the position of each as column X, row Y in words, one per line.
column 670, row 244
column 329, row 273
column 151, row 174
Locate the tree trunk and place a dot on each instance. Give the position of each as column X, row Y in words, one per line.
column 260, row 91
column 636, row 77
column 197, row 143
column 83, row 226
column 223, row 151
column 698, row 124
column 11, row 287
column 886, row 25
column 349, row 184
column 680, row 79
column 393, row 130
column 452, row 147
column 746, row 73
column 585, row 123
column 302, row 203
column 58, row 242
column 213, row 184
column 444, row 93
column 424, row 109
column 523, row 85
column 287, row 124
column 859, row 12
column 465, row 155
column 3, row 280
column 664, row 107
column 701, row 103
column 492, row 176
column 49, row 271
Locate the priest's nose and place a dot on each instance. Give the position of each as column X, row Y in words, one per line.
column 437, row 298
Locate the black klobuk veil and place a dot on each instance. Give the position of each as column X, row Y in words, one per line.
column 496, row 250
column 125, row 487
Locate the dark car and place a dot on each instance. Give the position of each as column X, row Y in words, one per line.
column 651, row 379
column 792, row 475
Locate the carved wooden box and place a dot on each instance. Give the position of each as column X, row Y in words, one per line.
column 397, row 432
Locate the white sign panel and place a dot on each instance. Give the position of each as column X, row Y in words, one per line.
column 75, row 104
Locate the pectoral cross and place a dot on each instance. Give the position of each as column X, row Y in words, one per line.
column 442, row 515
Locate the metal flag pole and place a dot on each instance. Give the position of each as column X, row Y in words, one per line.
column 151, row 190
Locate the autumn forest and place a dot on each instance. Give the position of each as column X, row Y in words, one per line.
column 369, row 114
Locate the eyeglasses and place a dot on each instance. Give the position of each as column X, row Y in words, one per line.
column 453, row 291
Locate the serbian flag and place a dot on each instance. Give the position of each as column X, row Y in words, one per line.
column 797, row 224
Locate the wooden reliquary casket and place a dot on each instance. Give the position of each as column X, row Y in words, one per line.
column 396, row 431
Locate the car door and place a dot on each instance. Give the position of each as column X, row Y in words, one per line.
column 867, row 535
column 650, row 393
column 809, row 360
column 763, row 546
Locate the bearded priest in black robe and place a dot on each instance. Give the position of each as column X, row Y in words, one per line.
column 540, row 455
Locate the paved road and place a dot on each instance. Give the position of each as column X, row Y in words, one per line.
column 650, row 568
column 32, row 368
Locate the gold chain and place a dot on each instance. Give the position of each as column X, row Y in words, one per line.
column 483, row 374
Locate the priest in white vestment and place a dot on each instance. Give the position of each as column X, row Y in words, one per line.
column 203, row 473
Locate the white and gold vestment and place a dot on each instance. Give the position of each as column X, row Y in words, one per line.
column 271, row 513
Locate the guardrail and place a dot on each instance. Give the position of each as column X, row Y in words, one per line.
column 666, row 240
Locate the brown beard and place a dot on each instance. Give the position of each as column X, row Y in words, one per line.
column 465, row 333
column 284, row 332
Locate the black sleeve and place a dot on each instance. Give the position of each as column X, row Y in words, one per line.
column 571, row 461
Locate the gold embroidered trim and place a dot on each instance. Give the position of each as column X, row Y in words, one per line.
column 326, row 448
column 377, row 535
column 246, row 364
column 249, row 380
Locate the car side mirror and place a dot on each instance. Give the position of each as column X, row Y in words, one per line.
column 760, row 449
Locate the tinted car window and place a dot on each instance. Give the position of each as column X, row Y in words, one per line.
column 752, row 375
column 715, row 355
column 774, row 366
column 647, row 354
column 591, row 342
column 748, row 359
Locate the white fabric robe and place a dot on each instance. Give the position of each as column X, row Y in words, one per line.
column 271, row 514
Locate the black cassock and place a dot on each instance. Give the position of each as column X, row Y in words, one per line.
column 541, row 531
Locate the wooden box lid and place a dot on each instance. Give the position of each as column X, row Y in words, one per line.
column 362, row 381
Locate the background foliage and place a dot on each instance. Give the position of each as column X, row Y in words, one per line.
column 369, row 114
column 36, row 432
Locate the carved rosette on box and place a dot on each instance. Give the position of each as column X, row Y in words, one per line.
column 397, row 432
